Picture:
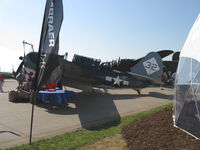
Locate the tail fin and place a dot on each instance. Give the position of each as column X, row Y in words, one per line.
column 151, row 66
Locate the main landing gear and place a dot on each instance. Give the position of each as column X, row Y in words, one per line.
column 138, row 91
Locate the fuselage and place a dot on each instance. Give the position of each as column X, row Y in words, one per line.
column 83, row 76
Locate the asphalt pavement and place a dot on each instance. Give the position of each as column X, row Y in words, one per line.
column 84, row 111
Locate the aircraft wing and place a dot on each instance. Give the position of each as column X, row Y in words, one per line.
column 165, row 53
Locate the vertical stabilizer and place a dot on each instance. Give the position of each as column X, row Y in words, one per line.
column 151, row 66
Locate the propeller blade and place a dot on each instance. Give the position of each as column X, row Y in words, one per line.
column 19, row 68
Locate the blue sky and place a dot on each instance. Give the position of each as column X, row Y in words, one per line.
column 105, row 29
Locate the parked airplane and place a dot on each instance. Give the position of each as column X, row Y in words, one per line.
column 85, row 73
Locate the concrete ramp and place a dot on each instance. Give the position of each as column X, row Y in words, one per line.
column 85, row 111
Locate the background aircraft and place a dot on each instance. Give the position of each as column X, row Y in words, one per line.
column 7, row 75
column 172, row 65
column 85, row 73
column 125, row 64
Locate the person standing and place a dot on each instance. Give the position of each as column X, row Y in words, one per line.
column 1, row 83
column 163, row 79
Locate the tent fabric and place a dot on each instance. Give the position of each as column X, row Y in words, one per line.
column 187, row 85
column 192, row 44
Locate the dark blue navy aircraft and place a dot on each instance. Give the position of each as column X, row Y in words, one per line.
column 85, row 73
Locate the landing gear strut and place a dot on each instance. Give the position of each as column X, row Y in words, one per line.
column 138, row 92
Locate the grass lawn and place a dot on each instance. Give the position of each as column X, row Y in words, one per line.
column 82, row 137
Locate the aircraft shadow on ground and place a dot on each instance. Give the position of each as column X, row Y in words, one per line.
column 96, row 109
column 9, row 132
column 60, row 109
column 161, row 95
column 93, row 109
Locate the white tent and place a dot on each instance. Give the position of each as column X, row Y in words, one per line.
column 187, row 85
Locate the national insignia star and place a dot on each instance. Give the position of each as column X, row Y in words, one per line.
column 117, row 81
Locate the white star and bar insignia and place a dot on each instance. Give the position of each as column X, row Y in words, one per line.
column 117, row 80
